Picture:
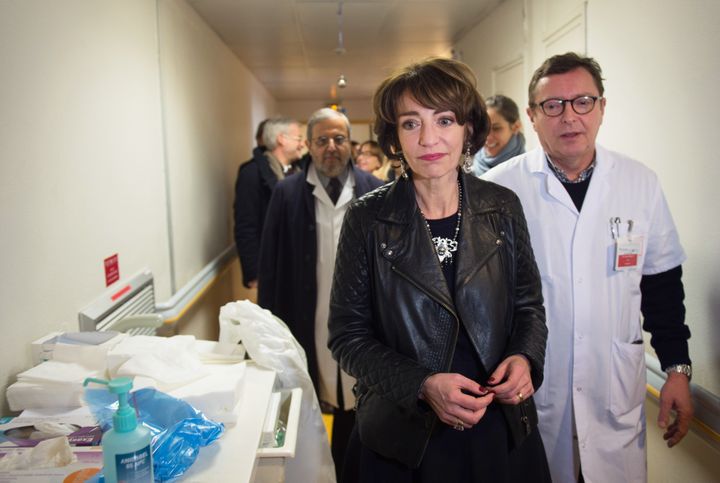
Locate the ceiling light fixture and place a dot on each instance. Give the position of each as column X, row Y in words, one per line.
column 342, row 82
column 340, row 49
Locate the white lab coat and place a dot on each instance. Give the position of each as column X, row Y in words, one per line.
column 595, row 366
column 328, row 219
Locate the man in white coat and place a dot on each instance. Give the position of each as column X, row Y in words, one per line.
column 608, row 250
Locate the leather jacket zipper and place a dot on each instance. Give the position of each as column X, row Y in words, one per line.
column 448, row 364
column 524, row 419
column 358, row 399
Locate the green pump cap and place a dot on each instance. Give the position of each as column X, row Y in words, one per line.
column 124, row 419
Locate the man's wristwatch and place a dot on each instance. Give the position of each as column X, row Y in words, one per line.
column 681, row 368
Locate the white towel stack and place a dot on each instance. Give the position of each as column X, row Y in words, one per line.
column 206, row 374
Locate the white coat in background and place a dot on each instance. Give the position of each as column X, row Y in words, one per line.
column 595, row 366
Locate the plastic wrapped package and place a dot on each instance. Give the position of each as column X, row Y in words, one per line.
column 270, row 343
column 179, row 430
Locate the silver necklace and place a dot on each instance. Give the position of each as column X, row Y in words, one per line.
column 445, row 247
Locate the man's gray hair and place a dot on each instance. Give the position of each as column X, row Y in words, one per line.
column 273, row 128
column 321, row 115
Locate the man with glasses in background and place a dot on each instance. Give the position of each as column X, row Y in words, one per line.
column 607, row 250
column 297, row 258
column 279, row 144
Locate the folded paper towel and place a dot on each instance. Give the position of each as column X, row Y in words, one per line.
column 211, row 371
column 50, row 384
column 56, row 372
column 218, row 394
column 27, row 395
column 171, row 361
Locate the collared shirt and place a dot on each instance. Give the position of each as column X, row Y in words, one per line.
column 328, row 221
column 325, row 181
column 560, row 174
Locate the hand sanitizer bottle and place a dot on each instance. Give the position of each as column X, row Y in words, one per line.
column 126, row 447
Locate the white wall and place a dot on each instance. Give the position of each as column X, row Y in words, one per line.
column 496, row 44
column 81, row 171
column 661, row 67
column 211, row 105
column 662, row 109
column 87, row 161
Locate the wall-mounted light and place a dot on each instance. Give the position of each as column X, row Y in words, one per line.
column 342, row 82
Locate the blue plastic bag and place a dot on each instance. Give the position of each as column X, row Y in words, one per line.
column 179, row 430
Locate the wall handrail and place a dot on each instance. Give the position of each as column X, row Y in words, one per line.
column 183, row 300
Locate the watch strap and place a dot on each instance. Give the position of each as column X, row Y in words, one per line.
column 681, row 368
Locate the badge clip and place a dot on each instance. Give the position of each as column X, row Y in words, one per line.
column 628, row 248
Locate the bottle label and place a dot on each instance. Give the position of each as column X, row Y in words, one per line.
column 135, row 466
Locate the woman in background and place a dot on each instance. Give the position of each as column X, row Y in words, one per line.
column 372, row 160
column 436, row 306
column 505, row 139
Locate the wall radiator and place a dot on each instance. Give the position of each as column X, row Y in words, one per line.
column 133, row 297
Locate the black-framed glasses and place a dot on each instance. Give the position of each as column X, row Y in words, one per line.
column 323, row 141
column 555, row 107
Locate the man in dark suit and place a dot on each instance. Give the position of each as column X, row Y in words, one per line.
column 297, row 258
column 279, row 145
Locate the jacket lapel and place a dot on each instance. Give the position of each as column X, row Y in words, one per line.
column 407, row 244
column 479, row 238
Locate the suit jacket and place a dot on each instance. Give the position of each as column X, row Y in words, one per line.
column 287, row 284
column 253, row 187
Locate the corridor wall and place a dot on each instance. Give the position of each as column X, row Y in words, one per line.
column 122, row 126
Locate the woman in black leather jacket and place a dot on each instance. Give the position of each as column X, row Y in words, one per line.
column 436, row 305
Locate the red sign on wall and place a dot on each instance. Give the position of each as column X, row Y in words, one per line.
column 112, row 270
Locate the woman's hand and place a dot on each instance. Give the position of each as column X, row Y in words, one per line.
column 444, row 393
column 511, row 380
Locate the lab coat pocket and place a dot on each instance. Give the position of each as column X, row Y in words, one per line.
column 627, row 385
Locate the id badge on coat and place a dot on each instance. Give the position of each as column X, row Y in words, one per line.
column 628, row 247
column 628, row 250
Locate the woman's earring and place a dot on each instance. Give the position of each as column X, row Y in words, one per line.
column 467, row 165
column 403, row 169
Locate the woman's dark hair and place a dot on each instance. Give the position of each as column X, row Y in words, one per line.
column 561, row 64
column 436, row 83
column 505, row 106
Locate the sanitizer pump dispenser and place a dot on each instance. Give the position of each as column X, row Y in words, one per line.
column 126, row 447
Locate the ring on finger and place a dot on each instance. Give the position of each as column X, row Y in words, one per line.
column 459, row 426
column 520, row 396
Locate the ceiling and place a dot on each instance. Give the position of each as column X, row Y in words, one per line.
column 290, row 45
